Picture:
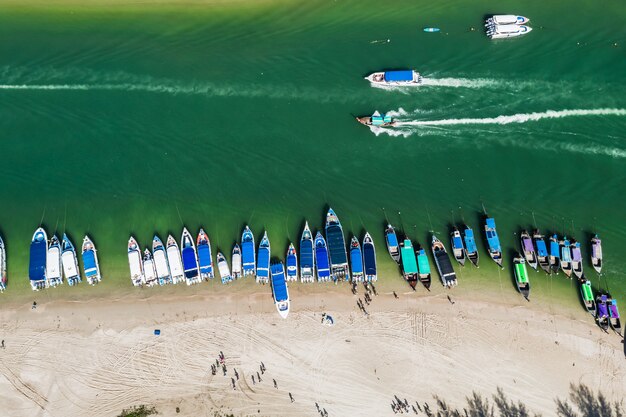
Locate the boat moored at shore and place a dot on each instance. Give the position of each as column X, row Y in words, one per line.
column 542, row 251
column 493, row 241
column 577, row 259
column 423, row 267
column 91, row 267
column 444, row 266
column 70, row 261
column 458, row 251
column 602, row 317
column 263, row 261
column 471, row 251
column 222, row 267
column 307, row 256
column 149, row 270
column 190, row 258
column 555, row 254
column 292, row 263
column 235, row 262
column 409, row 262
column 356, row 260
column 135, row 263
column 586, row 293
column 205, row 259
column 321, row 258
column 566, row 257
column 38, row 259
column 3, row 266
column 280, row 291
column 54, row 270
column 337, row 254
column 391, row 238
column 369, row 259
column 174, row 260
column 395, row 78
column 528, row 249
column 614, row 319
column 161, row 264
column 248, row 252
column 521, row 276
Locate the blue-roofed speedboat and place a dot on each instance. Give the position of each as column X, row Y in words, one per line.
column 528, row 249
column 235, row 261
column 423, row 267
column 3, row 266
column 307, row 257
column 402, row 77
column 458, row 251
column 336, row 248
column 369, row 259
column 54, row 269
column 292, row 263
column 280, row 290
column 263, row 261
column 321, row 258
column 471, row 251
column 174, row 260
column 190, row 258
column 70, row 261
column 90, row 262
column 222, row 267
column 555, row 254
column 205, row 260
column 566, row 257
column 542, row 251
column 161, row 263
column 38, row 258
column 356, row 260
column 149, row 271
column 135, row 263
column 493, row 241
column 377, row 119
column 248, row 252
column 392, row 243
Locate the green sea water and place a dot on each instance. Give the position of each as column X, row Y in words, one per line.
column 139, row 119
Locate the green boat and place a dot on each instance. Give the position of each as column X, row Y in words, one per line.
column 409, row 263
column 521, row 276
column 586, row 292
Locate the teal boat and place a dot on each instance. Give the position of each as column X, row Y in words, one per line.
column 409, row 263
column 471, row 251
column 423, row 267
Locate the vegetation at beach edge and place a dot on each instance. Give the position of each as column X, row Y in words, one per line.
column 138, row 411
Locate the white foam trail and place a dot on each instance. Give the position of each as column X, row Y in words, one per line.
column 516, row 118
column 441, row 82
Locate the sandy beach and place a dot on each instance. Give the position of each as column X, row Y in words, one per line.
column 97, row 357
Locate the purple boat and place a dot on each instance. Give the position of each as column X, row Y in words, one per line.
column 596, row 253
column 529, row 250
column 603, row 312
column 614, row 316
column 577, row 259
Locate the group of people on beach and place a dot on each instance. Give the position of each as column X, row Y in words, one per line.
column 369, row 290
column 402, row 406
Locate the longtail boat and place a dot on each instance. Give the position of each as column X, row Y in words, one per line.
column 528, row 249
column 596, row 253
column 3, row 266
column 471, row 251
column 521, row 276
column 423, row 267
column 493, row 242
column 542, row 251
column 614, row 319
column 444, row 266
column 577, row 259
column 586, row 292
column 457, row 246
column 409, row 263
column 566, row 257
column 392, row 243
column 555, row 254
column 602, row 318
column 377, row 119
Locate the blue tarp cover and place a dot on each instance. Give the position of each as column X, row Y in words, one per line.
column 263, row 263
column 554, row 249
column 204, row 257
column 37, row 267
column 247, row 255
column 404, row 75
column 541, row 247
column 321, row 257
column 457, row 242
column 306, row 254
column 491, row 223
column 422, row 262
column 190, row 265
column 492, row 240
column 470, row 243
column 377, row 120
column 392, row 239
column 291, row 261
column 278, row 283
column 336, row 245
column 369, row 257
column 89, row 263
column 356, row 259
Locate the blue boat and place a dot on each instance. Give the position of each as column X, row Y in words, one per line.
column 395, row 78
column 458, row 251
column 542, row 251
column 292, row 263
column 70, row 261
column 493, row 242
column 307, row 259
column 423, row 267
column 369, row 259
column 471, row 251
column 321, row 258
column 248, row 252
column 190, row 258
column 263, row 262
column 280, row 291
column 393, row 247
column 38, row 258
column 356, row 260
column 336, row 248
column 204, row 255
column 90, row 262
column 555, row 254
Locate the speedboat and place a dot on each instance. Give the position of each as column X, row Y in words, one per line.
column 222, row 267
column 190, row 258
column 70, row 262
column 236, row 262
column 292, row 263
column 307, row 257
column 53, row 263
column 205, row 260
column 321, row 258
column 263, row 261
column 175, row 261
column 377, row 119
column 280, row 290
column 506, row 19
column 356, row 260
column 161, row 264
column 248, row 254
column 369, row 258
column 507, row 31
column 403, row 77
column 444, row 266
column 37, row 262
column 135, row 263
column 336, row 248
column 90, row 262
column 148, row 268
column 521, row 276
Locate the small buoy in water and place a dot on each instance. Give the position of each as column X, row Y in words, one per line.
column 615, row 45
column 472, row 29
column 431, row 30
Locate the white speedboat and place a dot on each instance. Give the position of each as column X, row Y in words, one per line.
column 506, row 19
column 149, row 272
column 135, row 263
column 507, row 31
column 174, row 260
column 161, row 265
column 70, row 261
column 403, row 77
column 53, row 263
column 222, row 267
column 90, row 262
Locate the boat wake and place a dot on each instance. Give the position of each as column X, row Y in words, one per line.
column 442, row 82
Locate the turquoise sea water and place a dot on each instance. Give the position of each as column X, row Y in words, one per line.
column 119, row 120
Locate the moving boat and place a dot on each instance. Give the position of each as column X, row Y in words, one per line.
column 457, row 246
column 377, row 119
column 471, row 251
column 392, row 243
column 321, row 258
column 248, row 255
column 236, row 262
column 507, row 31
column 577, row 259
column 596, row 253
column 444, row 266
column 135, row 263
column 402, row 77
column 161, row 264
column 356, row 260
column 369, row 259
column 70, row 262
column 149, row 271
column 614, row 319
column 3, row 266
column 90, row 262
column 205, row 260
column 336, row 248
column 542, row 251
column 263, row 261
column 521, row 276
column 38, row 260
column 586, row 292
column 190, row 258
column 174, row 260
column 307, row 257
column 566, row 257
column 493, row 241
column 222, row 267
column 54, row 270
column 528, row 250
column 409, row 263
column 292, row 263
column 602, row 317
column 423, row 267
column 555, row 254
column 506, row 19
column 280, row 290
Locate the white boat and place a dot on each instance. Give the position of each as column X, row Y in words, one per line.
column 135, row 263
column 507, row 31
column 53, row 263
column 173, row 257
column 506, row 19
column 236, row 262
column 402, row 77
column 90, row 262
column 70, row 262
column 280, row 291
column 3, row 266
column 222, row 266
column 161, row 265
column 149, row 272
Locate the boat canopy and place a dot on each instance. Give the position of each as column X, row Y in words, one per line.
column 602, row 310
column 247, row 255
column 613, row 309
column 37, row 266
column 554, row 249
column 356, row 259
column 291, row 262
column 392, row 240
column 409, row 264
column 204, row 257
column 457, row 242
column 520, row 269
column 190, row 263
column 470, row 242
column 422, row 262
column 336, row 244
column 444, row 263
column 321, row 257
column 587, row 291
column 596, row 250
column 542, row 250
column 566, row 253
column 528, row 245
column 306, row 253
column 278, row 283
column 403, row 75
column 263, row 263
column 369, row 257
column 508, row 19
column 89, row 263
column 576, row 255
column 492, row 235
column 380, row 119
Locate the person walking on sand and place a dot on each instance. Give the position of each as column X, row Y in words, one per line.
column 232, row 380
column 291, row 398
column 395, row 295
column 275, row 384
column 2, row 343
column 236, row 374
column 258, row 377
column 263, row 366
column 253, row 381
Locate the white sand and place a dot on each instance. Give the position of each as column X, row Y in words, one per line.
column 96, row 358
